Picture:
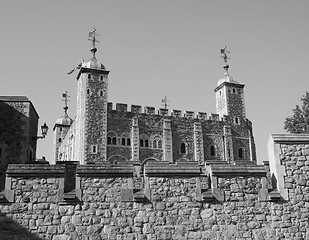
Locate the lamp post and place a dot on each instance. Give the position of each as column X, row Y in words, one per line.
column 44, row 130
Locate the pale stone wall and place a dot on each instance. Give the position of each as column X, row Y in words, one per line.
column 160, row 200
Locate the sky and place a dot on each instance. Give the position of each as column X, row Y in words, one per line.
column 159, row 48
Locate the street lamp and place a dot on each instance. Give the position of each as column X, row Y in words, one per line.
column 44, row 130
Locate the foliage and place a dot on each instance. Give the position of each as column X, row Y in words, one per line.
column 299, row 122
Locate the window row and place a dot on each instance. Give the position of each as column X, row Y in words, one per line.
column 100, row 92
column 240, row 152
column 94, row 77
column 122, row 141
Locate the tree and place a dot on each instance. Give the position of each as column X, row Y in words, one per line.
column 299, row 122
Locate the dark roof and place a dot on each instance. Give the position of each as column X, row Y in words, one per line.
column 18, row 99
column 14, row 99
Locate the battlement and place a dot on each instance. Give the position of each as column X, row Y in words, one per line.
column 147, row 110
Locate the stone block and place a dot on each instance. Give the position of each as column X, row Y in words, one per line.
column 127, row 195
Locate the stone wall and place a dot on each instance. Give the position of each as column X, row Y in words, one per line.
column 18, row 130
column 160, row 200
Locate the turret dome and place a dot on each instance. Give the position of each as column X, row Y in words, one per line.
column 226, row 78
column 64, row 120
column 93, row 63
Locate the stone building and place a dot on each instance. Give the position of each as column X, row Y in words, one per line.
column 102, row 133
column 18, row 130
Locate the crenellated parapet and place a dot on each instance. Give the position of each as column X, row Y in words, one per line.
column 123, row 109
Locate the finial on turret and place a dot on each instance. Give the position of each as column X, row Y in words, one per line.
column 92, row 38
column 224, row 53
column 164, row 102
column 66, row 100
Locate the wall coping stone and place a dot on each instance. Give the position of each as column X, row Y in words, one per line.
column 166, row 168
column 236, row 170
column 35, row 170
column 290, row 138
column 105, row 169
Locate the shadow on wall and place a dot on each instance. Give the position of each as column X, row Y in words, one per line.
column 11, row 230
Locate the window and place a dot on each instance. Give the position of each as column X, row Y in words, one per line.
column 114, row 140
column 183, row 148
column 88, row 91
column 94, row 149
column 240, row 153
column 229, row 152
column 212, row 151
column 154, row 144
column 109, row 140
column 159, row 144
column 234, row 91
column 59, row 140
column 123, row 141
column 236, row 120
column 128, row 141
column 144, row 140
column 101, row 77
column 60, row 129
column 89, row 76
column 101, row 93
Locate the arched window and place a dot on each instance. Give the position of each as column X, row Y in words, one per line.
column 109, row 140
column 88, row 91
column 89, row 76
column 159, row 144
column 101, row 77
column 234, row 91
column 59, row 140
column 128, row 141
column 144, row 140
column 154, row 144
column 212, row 151
column 123, row 141
column 236, row 120
column 240, row 153
column 182, row 148
column 114, row 140
column 101, row 93
column 94, row 149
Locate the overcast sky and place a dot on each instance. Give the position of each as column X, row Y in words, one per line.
column 159, row 48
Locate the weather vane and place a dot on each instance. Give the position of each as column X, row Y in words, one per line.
column 164, row 102
column 224, row 53
column 66, row 100
column 92, row 38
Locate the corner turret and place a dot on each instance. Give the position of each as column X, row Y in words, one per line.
column 230, row 94
column 91, row 116
column 61, row 128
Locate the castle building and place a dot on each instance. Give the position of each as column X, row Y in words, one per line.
column 102, row 133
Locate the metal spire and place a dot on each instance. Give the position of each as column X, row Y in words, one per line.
column 66, row 100
column 224, row 53
column 164, row 102
column 92, row 38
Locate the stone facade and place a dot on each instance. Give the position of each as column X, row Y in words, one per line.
column 161, row 200
column 101, row 133
column 18, row 130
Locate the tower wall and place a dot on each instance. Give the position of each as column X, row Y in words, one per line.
column 91, row 126
column 230, row 99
